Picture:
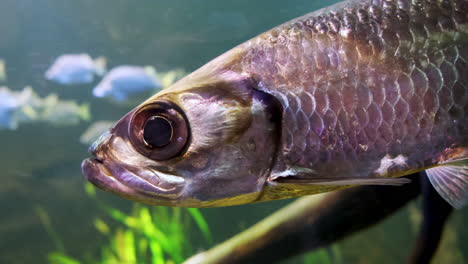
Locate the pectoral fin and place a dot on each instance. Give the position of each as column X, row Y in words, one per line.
column 345, row 181
column 305, row 176
column 451, row 181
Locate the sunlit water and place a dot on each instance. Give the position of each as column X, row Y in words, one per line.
column 40, row 164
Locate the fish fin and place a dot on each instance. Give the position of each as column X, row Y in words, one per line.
column 345, row 181
column 299, row 175
column 100, row 65
column 153, row 74
column 451, row 181
column 151, row 71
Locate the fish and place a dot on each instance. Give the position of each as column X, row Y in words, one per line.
column 25, row 106
column 123, row 82
column 75, row 69
column 9, row 103
column 17, row 107
column 360, row 93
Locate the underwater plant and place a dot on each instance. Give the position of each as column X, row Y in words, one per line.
column 156, row 235
column 324, row 256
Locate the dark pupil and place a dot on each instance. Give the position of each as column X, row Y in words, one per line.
column 157, row 132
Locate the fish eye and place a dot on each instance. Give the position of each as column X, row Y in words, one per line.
column 159, row 130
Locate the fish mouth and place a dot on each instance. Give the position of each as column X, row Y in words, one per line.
column 143, row 185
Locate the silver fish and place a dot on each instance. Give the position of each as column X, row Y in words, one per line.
column 359, row 93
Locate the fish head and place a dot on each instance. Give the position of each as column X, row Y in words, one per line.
column 209, row 140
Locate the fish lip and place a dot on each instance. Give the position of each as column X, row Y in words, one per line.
column 92, row 172
column 118, row 179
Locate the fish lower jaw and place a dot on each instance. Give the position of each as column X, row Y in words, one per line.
column 92, row 168
column 124, row 182
column 103, row 168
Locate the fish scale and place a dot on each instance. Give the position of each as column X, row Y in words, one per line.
column 382, row 75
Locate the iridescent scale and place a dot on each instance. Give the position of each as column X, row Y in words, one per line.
column 364, row 80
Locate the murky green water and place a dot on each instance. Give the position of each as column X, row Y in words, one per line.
column 40, row 163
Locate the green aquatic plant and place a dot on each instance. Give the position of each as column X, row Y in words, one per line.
column 47, row 224
column 330, row 255
column 157, row 235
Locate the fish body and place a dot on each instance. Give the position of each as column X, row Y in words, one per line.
column 124, row 81
column 9, row 103
column 25, row 106
column 75, row 69
column 359, row 93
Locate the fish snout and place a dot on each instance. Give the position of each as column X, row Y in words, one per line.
column 97, row 148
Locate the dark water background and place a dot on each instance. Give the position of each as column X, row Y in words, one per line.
column 40, row 165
